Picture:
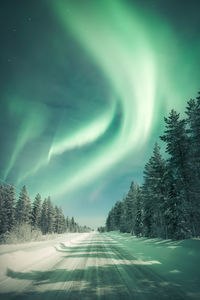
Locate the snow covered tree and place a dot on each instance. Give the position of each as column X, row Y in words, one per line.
column 4, row 225
column 67, row 222
column 72, row 225
column 126, row 214
column 23, row 221
column 60, row 224
column 44, row 217
column 177, row 147
column 114, row 218
column 117, row 213
column 193, row 129
column 123, row 221
column 51, row 216
column 110, row 221
column 23, row 207
column 154, row 193
column 10, row 205
column 37, row 211
column 174, row 213
column 130, row 207
column 138, row 225
column 168, row 204
column 193, row 122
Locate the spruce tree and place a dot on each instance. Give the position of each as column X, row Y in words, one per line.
column 193, row 129
column 193, row 122
column 148, row 211
column 177, row 147
column 72, row 225
column 4, row 222
column 10, row 205
column 23, row 207
column 51, row 216
column 60, row 224
column 37, row 211
column 44, row 217
column 62, row 221
column 110, row 221
column 130, row 207
column 174, row 214
column 168, row 204
column 67, row 222
column 117, row 212
column 138, row 225
column 154, row 193
column 123, row 221
column 57, row 220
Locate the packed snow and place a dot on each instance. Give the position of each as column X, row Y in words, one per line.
column 100, row 266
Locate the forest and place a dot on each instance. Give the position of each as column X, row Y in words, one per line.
column 24, row 220
column 167, row 203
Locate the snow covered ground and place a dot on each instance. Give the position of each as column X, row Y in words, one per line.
column 100, row 266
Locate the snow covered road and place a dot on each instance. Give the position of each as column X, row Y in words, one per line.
column 100, row 266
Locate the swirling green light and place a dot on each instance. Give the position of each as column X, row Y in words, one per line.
column 88, row 134
column 119, row 46
column 32, row 119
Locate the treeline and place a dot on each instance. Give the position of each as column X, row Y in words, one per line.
column 167, row 204
column 40, row 215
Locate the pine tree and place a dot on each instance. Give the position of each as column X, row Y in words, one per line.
column 174, row 214
column 60, row 224
column 67, row 222
column 4, row 222
column 154, row 193
column 123, row 221
column 10, row 205
column 193, row 121
column 23, row 207
column 51, row 216
column 177, row 147
column 148, row 211
column 57, row 220
column 72, row 225
column 126, row 215
column 168, row 205
column 75, row 227
column 117, row 212
column 193, row 129
column 130, row 207
column 138, row 226
column 44, row 217
column 37, row 211
column 110, row 221
column 62, row 221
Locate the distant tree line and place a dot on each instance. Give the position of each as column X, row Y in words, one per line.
column 167, row 204
column 40, row 215
column 101, row 229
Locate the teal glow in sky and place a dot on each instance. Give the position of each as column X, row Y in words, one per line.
column 86, row 85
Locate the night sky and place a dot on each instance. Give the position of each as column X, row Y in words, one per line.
column 85, row 85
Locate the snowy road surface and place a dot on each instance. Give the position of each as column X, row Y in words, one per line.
column 100, row 266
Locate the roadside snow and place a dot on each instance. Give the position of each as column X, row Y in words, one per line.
column 20, row 256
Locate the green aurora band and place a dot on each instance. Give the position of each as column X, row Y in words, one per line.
column 32, row 119
column 128, row 63
column 136, row 52
column 88, row 134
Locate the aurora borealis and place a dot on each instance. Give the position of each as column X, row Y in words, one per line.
column 85, row 87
